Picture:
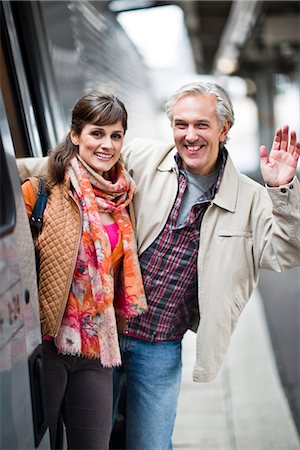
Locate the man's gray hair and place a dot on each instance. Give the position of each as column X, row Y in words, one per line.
column 224, row 109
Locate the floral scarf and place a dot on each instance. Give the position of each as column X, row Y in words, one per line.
column 89, row 325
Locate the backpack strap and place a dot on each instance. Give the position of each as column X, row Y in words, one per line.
column 36, row 218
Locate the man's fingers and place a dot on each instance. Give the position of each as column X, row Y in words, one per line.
column 284, row 138
column 293, row 144
column 277, row 139
column 263, row 151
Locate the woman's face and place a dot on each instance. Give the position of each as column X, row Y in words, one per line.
column 100, row 146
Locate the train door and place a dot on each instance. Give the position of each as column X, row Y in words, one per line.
column 23, row 421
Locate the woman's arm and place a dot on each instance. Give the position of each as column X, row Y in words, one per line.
column 29, row 197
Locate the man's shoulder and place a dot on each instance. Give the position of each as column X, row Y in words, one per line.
column 143, row 144
column 250, row 183
column 28, row 167
column 244, row 181
column 143, row 153
column 249, row 188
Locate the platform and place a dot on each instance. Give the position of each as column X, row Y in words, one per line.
column 245, row 407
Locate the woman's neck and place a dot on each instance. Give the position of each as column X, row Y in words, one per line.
column 106, row 218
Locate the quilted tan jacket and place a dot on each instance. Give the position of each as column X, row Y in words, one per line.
column 58, row 247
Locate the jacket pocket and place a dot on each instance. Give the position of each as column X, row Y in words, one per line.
column 237, row 267
column 234, row 233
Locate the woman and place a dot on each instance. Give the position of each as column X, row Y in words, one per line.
column 88, row 272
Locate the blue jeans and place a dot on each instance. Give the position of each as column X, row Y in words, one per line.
column 152, row 371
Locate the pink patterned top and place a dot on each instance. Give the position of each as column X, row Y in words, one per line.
column 112, row 231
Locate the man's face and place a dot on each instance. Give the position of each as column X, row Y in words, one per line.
column 197, row 132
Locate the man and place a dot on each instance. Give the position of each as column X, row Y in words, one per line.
column 203, row 232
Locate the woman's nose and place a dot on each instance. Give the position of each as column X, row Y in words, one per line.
column 107, row 142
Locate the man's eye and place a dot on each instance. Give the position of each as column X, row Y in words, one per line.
column 181, row 126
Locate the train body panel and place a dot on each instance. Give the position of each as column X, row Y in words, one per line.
column 21, row 376
column 51, row 54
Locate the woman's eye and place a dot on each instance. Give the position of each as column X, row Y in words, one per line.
column 116, row 136
column 96, row 133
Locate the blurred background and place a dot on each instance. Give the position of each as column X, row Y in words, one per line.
column 144, row 50
column 52, row 52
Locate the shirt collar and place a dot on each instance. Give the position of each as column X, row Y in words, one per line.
column 222, row 158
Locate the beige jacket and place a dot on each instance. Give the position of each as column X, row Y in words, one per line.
column 239, row 235
column 246, row 227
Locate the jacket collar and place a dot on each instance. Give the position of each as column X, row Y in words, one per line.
column 168, row 163
column 226, row 197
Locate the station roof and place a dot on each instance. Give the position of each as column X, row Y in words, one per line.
column 236, row 37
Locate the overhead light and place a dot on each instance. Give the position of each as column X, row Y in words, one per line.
column 127, row 5
column 227, row 62
column 227, row 65
column 242, row 17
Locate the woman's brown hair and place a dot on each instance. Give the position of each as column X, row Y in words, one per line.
column 96, row 108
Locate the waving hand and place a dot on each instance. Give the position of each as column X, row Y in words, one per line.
column 279, row 166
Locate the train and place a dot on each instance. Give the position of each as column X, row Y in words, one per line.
column 52, row 52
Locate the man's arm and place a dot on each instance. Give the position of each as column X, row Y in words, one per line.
column 279, row 236
column 32, row 167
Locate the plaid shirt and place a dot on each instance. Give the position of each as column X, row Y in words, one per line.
column 169, row 269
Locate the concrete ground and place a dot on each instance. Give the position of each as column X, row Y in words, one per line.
column 244, row 408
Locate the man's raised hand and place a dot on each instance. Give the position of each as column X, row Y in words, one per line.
column 279, row 166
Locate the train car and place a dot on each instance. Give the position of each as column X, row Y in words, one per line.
column 51, row 54
column 23, row 419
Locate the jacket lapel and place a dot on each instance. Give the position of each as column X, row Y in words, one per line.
column 226, row 197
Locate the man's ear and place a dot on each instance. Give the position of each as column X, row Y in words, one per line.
column 225, row 130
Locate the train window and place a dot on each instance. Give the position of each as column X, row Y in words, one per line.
column 13, row 113
column 15, row 92
column 7, row 202
column 34, row 48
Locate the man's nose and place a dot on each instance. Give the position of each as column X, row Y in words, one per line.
column 191, row 134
